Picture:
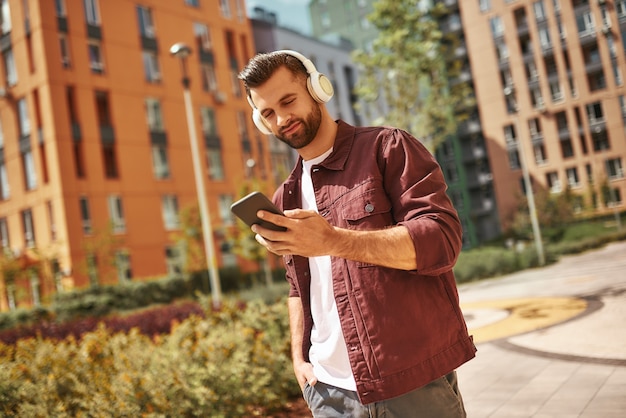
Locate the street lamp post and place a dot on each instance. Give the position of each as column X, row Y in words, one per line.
column 530, row 197
column 182, row 51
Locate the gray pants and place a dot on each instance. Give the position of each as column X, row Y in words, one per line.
column 438, row 399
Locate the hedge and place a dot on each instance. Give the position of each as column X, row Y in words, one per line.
column 233, row 363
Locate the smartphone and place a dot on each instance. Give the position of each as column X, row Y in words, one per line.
column 247, row 207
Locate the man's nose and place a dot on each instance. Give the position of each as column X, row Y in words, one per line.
column 282, row 119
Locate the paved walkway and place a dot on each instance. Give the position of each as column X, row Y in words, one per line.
column 551, row 341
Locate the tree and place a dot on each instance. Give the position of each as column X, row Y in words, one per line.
column 410, row 65
column 100, row 249
column 554, row 212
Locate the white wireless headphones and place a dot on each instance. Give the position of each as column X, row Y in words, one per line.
column 319, row 86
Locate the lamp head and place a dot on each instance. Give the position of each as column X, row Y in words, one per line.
column 180, row 49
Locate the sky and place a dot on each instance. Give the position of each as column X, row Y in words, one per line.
column 293, row 14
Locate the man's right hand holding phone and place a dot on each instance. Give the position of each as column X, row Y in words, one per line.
column 308, row 234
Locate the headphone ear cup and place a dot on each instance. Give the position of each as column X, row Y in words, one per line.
column 260, row 122
column 320, row 87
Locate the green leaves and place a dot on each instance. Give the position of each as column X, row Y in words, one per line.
column 405, row 77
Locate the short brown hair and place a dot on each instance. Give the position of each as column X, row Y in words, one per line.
column 260, row 68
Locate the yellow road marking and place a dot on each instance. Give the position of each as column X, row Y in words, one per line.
column 525, row 315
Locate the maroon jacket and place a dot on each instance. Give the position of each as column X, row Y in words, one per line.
column 403, row 329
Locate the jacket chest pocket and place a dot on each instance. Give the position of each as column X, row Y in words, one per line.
column 368, row 210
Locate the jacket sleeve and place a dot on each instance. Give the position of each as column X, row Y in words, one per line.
column 416, row 186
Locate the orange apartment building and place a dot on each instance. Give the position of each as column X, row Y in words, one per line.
column 93, row 133
column 549, row 81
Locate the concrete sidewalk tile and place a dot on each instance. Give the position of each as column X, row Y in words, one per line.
column 573, row 367
column 610, row 399
column 579, row 390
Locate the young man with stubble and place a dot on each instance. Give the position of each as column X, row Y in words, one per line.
column 370, row 243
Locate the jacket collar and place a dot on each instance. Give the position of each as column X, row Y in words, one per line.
column 337, row 160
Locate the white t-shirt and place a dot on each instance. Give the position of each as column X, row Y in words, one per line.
column 328, row 353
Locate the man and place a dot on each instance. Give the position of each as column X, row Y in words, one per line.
column 371, row 239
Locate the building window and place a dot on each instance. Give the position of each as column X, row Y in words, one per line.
column 30, row 174
column 214, row 161
column 193, row 3
column 567, row 151
column 620, row 6
column 110, row 160
column 585, row 23
column 207, row 118
column 544, row 38
column 203, row 36
column 207, row 75
column 572, row 177
column 226, row 216
column 160, row 164
column 174, row 261
column 537, row 98
column 95, row 57
column 9, row 68
column 5, row 15
column 617, row 73
column 510, row 135
column 77, row 150
column 116, row 214
column 614, row 169
column 534, row 126
column 540, row 12
column 23, row 118
column 65, row 51
column 169, row 209
column 246, row 144
column 213, row 145
column 612, row 197
column 155, row 116
column 595, row 113
column 85, row 215
column 5, row 243
column 241, row 10
column 146, row 27
column 59, row 7
column 122, row 264
column 151, row 66
column 497, row 27
column 514, row 161
column 561, row 28
column 484, row 5
column 91, row 12
column 5, row 189
column 554, row 184
column 610, row 41
column 622, row 105
column 556, row 91
column 225, row 8
column 29, row 228
column 540, row 154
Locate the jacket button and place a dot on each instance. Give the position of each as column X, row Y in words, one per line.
column 369, row 208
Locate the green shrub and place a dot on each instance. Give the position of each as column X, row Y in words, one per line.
column 227, row 365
